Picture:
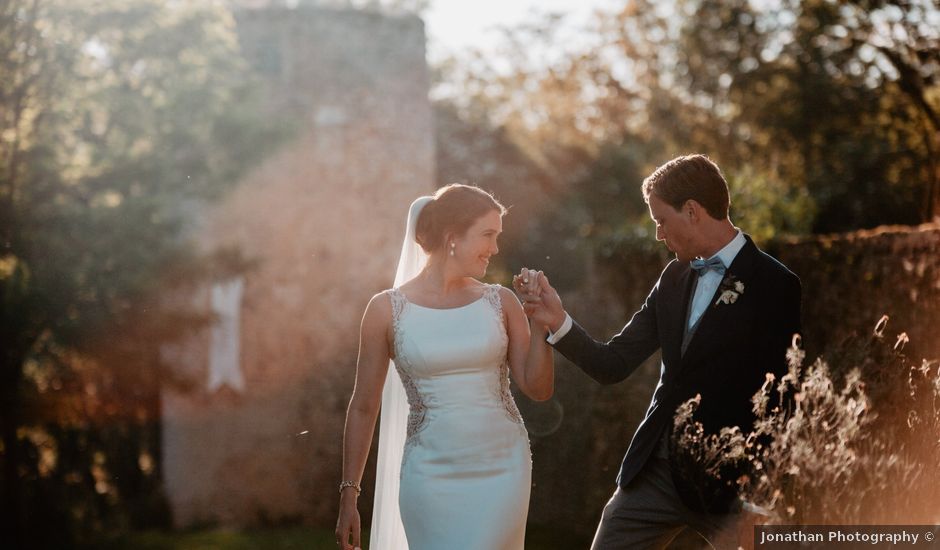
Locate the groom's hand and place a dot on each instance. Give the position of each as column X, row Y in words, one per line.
column 540, row 300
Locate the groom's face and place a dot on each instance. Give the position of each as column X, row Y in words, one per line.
column 673, row 228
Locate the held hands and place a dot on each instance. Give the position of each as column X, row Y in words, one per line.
column 539, row 299
column 348, row 525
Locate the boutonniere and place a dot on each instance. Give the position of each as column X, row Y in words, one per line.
column 729, row 290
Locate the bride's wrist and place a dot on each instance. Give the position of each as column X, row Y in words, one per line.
column 350, row 487
column 349, row 499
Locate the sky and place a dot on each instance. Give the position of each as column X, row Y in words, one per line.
column 454, row 26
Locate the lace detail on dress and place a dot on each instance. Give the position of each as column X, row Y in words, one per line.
column 506, row 396
column 417, row 408
column 502, row 387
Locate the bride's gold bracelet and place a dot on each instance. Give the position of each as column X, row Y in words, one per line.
column 352, row 484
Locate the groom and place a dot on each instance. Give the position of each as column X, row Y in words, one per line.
column 723, row 313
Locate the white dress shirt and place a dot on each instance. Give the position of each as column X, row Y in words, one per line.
column 708, row 283
column 704, row 290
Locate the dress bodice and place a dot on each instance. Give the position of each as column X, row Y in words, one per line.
column 452, row 359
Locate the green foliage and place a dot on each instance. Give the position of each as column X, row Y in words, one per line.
column 767, row 208
column 610, row 191
column 615, row 219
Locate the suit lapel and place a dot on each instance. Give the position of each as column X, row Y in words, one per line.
column 678, row 313
column 716, row 314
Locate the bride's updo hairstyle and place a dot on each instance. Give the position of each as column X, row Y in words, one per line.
column 454, row 209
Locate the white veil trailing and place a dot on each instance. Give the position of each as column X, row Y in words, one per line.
column 387, row 530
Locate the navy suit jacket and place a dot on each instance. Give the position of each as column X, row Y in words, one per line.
column 725, row 362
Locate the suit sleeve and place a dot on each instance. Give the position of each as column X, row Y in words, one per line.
column 612, row 361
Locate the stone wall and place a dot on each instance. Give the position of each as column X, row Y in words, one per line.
column 851, row 280
column 323, row 221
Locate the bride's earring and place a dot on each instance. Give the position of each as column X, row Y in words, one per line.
column 452, row 247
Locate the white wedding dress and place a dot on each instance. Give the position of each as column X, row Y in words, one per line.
column 466, row 470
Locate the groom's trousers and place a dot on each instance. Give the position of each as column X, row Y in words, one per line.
column 649, row 514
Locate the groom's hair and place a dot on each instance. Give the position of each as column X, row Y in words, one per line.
column 693, row 177
column 454, row 209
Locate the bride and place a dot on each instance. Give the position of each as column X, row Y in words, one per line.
column 454, row 471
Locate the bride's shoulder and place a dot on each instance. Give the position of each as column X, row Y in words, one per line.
column 487, row 288
column 380, row 306
column 505, row 295
column 386, row 294
column 492, row 287
column 495, row 288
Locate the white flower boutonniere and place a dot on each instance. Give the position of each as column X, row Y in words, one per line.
column 730, row 290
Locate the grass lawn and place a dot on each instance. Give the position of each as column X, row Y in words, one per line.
column 273, row 539
column 537, row 538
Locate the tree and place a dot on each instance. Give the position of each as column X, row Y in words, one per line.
column 829, row 106
column 116, row 117
column 838, row 95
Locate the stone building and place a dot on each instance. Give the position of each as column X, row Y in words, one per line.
column 257, row 439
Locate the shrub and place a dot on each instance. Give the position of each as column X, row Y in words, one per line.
column 855, row 441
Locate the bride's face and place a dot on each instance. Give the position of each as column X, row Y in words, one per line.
column 473, row 250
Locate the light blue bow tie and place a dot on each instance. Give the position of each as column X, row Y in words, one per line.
column 702, row 266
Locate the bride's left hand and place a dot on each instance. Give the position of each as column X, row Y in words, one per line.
column 526, row 284
column 348, row 523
